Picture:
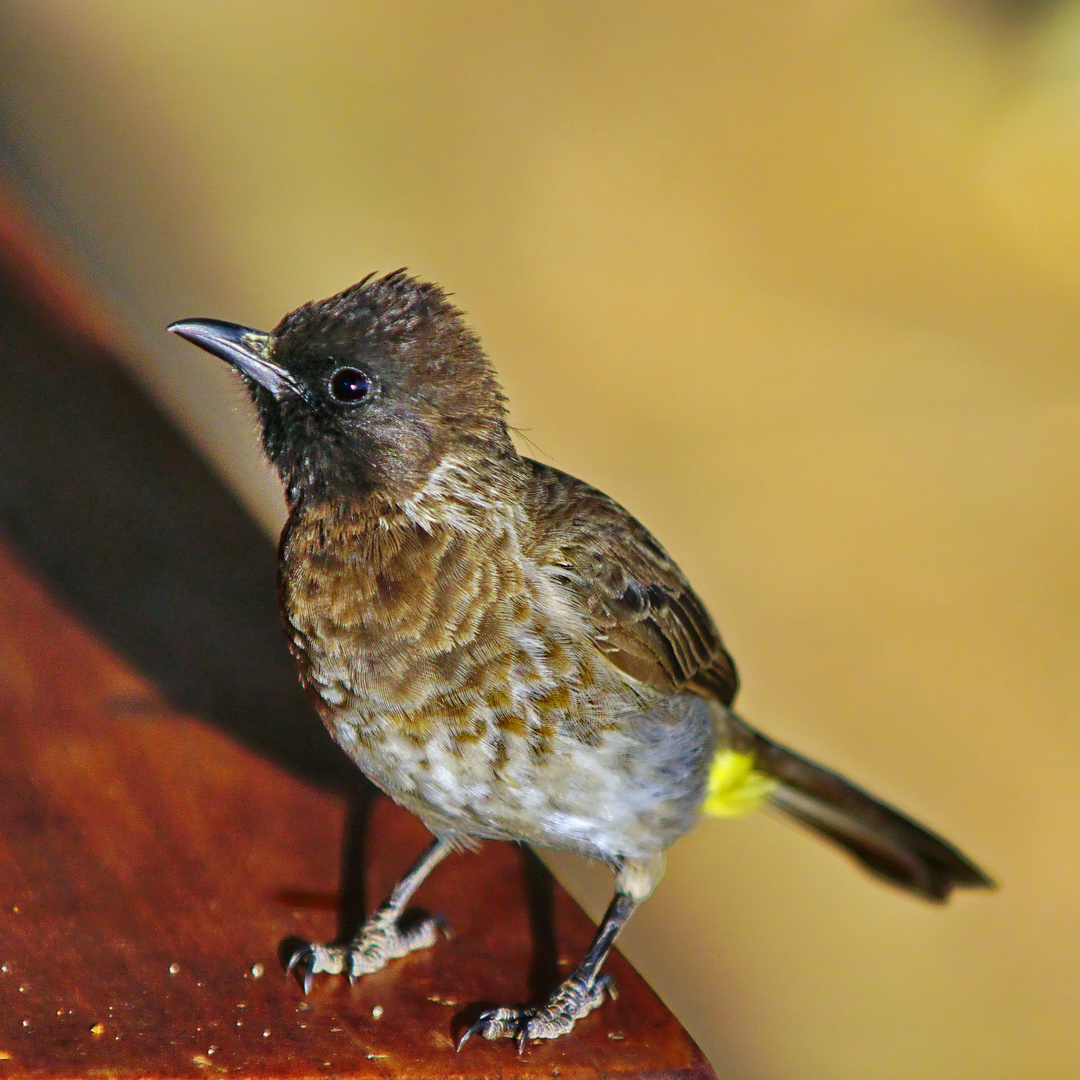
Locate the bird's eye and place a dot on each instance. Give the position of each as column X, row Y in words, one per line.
column 349, row 386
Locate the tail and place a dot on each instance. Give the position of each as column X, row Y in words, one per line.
column 885, row 841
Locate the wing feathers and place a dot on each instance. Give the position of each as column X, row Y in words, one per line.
column 644, row 615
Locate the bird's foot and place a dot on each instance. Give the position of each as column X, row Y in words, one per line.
column 381, row 940
column 574, row 999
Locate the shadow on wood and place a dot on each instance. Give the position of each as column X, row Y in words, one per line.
column 108, row 503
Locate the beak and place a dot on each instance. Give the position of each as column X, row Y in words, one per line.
column 247, row 350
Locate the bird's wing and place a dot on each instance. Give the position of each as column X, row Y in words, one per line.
column 642, row 612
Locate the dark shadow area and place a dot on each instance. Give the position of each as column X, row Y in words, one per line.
column 353, row 904
column 108, row 504
column 306, row 900
column 540, row 897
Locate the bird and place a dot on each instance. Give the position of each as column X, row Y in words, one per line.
column 500, row 647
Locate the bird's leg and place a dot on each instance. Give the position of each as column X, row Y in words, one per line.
column 584, row 990
column 380, row 939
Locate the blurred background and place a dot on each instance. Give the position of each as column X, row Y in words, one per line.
column 797, row 282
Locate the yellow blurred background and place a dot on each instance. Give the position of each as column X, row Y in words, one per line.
column 797, row 282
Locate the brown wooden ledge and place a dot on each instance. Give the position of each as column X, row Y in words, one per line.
column 150, row 868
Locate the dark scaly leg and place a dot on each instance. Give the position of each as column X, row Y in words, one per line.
column 380, row 939
column 582, row 992
column 586, row 987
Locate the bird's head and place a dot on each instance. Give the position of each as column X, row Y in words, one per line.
column 365, row 392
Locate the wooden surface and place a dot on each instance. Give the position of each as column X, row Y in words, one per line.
column 150, row 868
column 153, row 866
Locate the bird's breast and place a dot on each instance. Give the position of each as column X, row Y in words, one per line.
column 455, row 672
column 425, row 629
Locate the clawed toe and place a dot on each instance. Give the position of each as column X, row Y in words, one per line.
column 302, row 961
column 564, row 1008
column 380, row 941
column 305, row 962
column 496, row 1024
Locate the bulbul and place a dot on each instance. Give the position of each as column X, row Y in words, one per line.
column 500, row 647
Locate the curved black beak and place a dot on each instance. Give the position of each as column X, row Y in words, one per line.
column 247, row 350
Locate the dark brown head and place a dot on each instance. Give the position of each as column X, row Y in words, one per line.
column 367, row 391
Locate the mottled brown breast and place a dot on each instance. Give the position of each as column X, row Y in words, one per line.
column 429, row 619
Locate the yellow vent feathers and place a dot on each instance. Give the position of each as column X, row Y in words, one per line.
column 735, row 786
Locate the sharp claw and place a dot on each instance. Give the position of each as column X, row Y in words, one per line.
column 468, row 1033
column 302, row 961
column 607, row 983
column 523, row 1038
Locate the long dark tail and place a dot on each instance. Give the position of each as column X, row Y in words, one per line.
column 885, row 841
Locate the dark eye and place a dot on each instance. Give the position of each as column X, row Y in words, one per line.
column 349, row 385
